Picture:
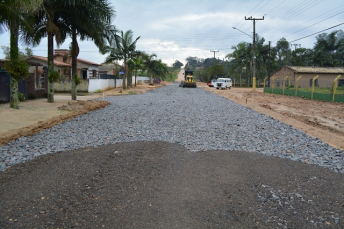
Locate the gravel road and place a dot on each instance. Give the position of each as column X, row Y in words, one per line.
column 195, row 118
column 171, row 158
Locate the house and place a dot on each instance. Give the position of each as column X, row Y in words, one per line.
column 85, row 69
column 325, row 79
column 33, row 85
column 63, row 68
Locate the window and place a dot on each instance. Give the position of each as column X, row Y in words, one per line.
column 39, row 78
column 94, row 74
column 315, row 83
column 340, row 83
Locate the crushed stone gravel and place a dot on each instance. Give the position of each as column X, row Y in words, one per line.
column 193, row 117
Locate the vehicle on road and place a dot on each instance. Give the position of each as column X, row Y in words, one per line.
column 189, row 80
column 223, row 83
column 212, row 83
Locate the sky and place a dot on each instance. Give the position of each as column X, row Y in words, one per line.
column 176, row 29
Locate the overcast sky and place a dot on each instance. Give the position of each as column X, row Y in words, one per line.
column 176, row 29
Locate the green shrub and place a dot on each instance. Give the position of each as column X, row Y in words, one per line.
column 21, row 97
column 32, row 96
column 77, row 80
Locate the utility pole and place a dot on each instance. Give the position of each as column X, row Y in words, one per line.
column 254, row 48
column 295, row 45
column 269, row 64
column 214, row 51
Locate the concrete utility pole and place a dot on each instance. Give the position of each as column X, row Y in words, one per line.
column 214, row 54
column 269, row 64
column 254, row 48
column 295, row 45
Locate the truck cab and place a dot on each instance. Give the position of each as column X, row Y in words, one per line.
column 223, row 83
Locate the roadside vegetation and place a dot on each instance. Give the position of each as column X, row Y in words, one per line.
column 328, row 51
column 30, row 21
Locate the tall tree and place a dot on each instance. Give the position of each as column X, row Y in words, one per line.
column 91, row 22
column 124, row 49
column 283, row 52
column 12, row 16
column 48, row 23
column 332, row 48
column 137, row 65
column 177, row 64
column 148, row 60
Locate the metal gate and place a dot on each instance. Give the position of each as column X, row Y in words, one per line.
column 4, row 87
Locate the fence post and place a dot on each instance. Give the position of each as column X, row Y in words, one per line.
column 335, row 85
column 284, row 83
column 313, row 81
column 297, row 85
column 264, row 81
column 273, row 83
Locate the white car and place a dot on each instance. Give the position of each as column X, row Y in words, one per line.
column 223, row 83
column 212, row 83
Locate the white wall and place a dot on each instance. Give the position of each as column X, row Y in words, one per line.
column 103, row 84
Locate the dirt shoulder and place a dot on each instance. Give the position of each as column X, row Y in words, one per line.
column 36, row 115
column 323, row 120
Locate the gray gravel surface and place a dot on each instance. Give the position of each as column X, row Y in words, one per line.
column 195, row 118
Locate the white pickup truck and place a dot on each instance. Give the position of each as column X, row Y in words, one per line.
column 223, row 83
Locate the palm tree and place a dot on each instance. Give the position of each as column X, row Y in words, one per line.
column 124, row 49
column 138, row 64
column 242, row 58
column 89, row 19
column 92, row 22
column 148, row 60
column 12, row 16
column 48, row 23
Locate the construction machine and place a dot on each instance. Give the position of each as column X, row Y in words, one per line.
column 188, row 80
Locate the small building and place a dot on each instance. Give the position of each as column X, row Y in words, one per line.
column 33, row 85
column 85, row 69
column 63, row 68
column 325, row 79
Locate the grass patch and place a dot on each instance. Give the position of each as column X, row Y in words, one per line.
column 98, row 91
column 132, row 92
column 339, row 90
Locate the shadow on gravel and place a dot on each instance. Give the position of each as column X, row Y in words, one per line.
column 163, row 185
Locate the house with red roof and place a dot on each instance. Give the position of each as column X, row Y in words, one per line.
column 85, row 69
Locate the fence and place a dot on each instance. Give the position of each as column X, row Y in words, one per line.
column 316, row 88
column 5, row 87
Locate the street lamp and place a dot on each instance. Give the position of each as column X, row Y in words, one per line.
column 242, row 32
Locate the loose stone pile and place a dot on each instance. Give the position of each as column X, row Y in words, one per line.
column 195, row 118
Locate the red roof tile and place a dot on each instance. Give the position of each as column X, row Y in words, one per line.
column 45, row 59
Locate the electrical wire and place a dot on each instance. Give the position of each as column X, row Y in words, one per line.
column 317, row 32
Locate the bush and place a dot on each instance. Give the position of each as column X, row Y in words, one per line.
column 77, row 80
column 21, row 97
column 156, row 81
column 32, row 96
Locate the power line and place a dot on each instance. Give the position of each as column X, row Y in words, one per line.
column 317, row 32
column 313, row 24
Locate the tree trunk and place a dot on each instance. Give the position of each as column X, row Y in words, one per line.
column 125, row 75
column 50, row 67
column 14, row 56
column 135, row 77
column 150, row 76
column 75, row 53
